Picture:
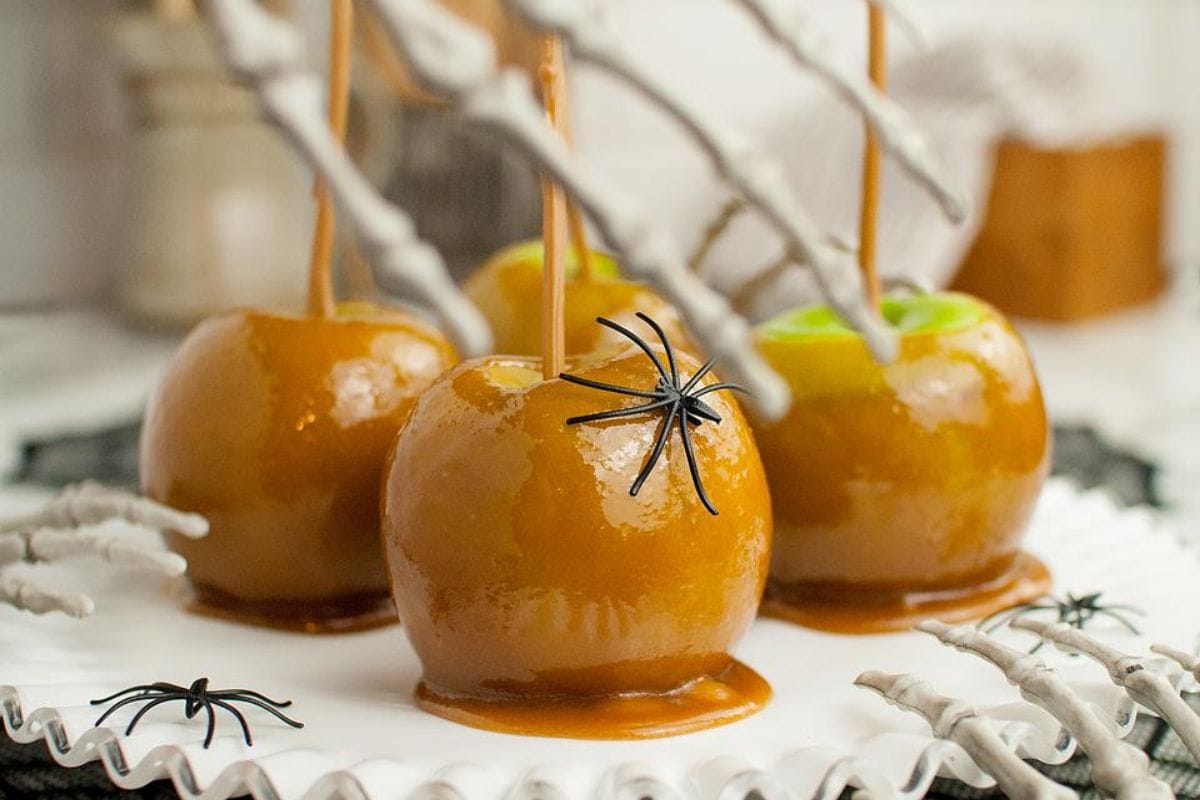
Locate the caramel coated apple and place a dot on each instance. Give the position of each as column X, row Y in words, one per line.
column 902, row 491
column 508, row 290
column 540, row 595
column 275, row 429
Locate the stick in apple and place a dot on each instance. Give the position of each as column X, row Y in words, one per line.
column 269, row 54
column 872, row 156
column 320, row 273
column 554, row 221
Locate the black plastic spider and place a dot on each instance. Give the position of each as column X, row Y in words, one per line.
column 195, row 697
column 1074, row 611
column 676, row 399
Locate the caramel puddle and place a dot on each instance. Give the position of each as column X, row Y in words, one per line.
column 350, row 614
column 1028, row 580
column 712, row 700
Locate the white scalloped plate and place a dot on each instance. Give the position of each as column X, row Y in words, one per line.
column 364, row 738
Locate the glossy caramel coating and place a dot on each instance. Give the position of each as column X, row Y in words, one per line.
column 523, row 569
column 508, row 291
column 275, row 429
column 908, row 485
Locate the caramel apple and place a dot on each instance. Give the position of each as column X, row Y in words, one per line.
column 902, row 491
column 557, row 571
column 274, row 428
column 507, row 289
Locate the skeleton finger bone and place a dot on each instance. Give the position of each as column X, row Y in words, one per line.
column 90, row 503
column 899, row 135
column 957, row 722
column 52, row 544
column 25, row 595
column 1145, row 686
column 87, row 520
column 1188, row 661
column 14, row 548
column 1118, row 768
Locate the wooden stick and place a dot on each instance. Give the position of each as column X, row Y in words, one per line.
column 554, row 221
column 872, row 157
column 320, row 271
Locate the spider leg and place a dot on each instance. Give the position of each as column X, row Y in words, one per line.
column 620, row 412
column 607, row 387
column 640, row 342
column 237, row 715
column 716, row 387
column 241, row 694
column 661, row 442
column 995, row 622
column 662, row 337
column 108, row 713
column 265, row 707
column 142, row 712
column 700, row 373
column 142, row 690
column 1141, row 612
column 693, row 468
column 1108, row 612
column 998, row 620
column 211, row 727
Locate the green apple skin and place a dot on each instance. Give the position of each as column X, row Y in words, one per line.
column 508, row 290
column 904, row 482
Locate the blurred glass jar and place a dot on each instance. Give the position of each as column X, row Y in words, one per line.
column 220, row 210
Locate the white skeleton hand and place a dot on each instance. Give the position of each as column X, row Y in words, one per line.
column 72, row 525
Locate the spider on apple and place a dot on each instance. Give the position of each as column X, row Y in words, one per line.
column 679, row 401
